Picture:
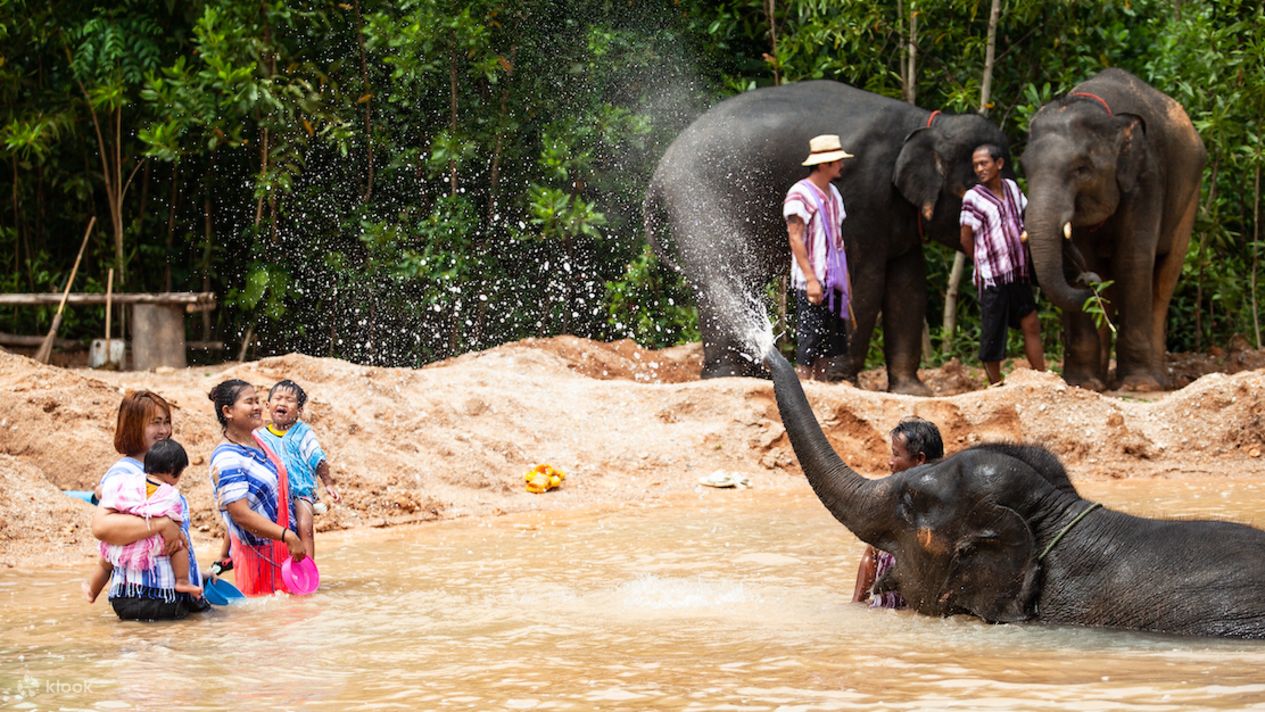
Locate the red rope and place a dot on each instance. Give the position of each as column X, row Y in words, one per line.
column 1094, row 97
column 932, row 119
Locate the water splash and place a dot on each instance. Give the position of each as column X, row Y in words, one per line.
column 748, row 318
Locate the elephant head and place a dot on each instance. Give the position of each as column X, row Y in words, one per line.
column 933, row 169
column 957, row 527
column 1080, row 161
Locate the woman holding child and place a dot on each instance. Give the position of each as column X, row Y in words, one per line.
column 251, row 492
column 145, row 590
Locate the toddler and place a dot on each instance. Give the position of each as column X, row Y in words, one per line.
column 158, row 499
column 295, row 443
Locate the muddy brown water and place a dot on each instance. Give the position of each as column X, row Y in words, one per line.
column 719, row 600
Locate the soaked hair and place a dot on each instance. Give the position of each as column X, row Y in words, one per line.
column 166, row 457
column 921, row 437
column 135, row 412
column 994, row 151
column 288, row 385
column 224, row 395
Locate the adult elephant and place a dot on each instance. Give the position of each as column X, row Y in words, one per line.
column 998, row 531
column 720, row 185
column 1115, row 167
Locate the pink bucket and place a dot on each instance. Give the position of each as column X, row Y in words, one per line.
column 300, row 578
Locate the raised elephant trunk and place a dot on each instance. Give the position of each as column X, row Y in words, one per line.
column 1047, row 226
column 843, row 491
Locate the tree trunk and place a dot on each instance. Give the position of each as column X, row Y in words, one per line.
column 911, row 73
column 172, row 200
column 208, row 234
column 1209, row 206
column 770, row 10
column 1256, row 247
column 368, row 100
column 948, row 327
column 452, row 113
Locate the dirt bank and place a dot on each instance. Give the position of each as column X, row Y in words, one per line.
column 455, row 438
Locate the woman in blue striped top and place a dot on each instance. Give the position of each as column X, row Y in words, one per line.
column 251, row 493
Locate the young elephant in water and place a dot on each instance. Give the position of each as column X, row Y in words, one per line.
column 999, row 531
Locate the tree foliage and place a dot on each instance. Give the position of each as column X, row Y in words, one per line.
column 395, row 183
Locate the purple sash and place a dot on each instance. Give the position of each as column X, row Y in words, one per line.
column 838, row 295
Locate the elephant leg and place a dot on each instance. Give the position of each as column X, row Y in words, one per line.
column 868, row 284
column 1168, row 270
column 1134, row 264
column 724, row 353
column 1083, row 352
column 904, row 311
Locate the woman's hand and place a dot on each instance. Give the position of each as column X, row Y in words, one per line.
column 173, row 538
column 261, row 526
column 294, row 543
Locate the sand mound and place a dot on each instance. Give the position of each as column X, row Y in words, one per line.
column 454, row 438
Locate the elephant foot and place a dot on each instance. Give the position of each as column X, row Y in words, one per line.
column 1089, row 383
column 835, row 369
column 1141, row 383
column 907, row 385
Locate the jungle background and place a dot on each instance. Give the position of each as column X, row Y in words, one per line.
column 397, row 183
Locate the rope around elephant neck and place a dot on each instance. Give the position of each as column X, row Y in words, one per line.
column 1064, row 530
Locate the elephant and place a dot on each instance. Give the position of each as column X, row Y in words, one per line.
column 998, row 531
column 718, row 191
column 1113, row 170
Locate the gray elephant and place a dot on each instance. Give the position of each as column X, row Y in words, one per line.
column 999, row 532
column 1113, row 185
column 720, row 185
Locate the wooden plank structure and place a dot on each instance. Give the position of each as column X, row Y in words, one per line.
column 157, row 320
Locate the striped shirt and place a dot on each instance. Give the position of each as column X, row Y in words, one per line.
column 157, row 581
column 300, row 452
column 888, row 599
column 125, row 466
column 245, row 473
column 805, row 200
column 1000, row 257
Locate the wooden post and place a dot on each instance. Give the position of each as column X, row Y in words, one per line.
column 157, row 336
column 109, row 294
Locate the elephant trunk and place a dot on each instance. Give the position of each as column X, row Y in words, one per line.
column 843, row 491
column 1049, row 227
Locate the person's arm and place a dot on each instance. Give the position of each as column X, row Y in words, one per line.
column 795, row 235
column 121, row 529
column 865, row 575
column 322, row 471
column 967, row 237
column 261, row 526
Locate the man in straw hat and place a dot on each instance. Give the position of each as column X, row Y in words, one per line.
column 819, row 267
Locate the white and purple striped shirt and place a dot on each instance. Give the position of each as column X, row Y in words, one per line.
column 157, row 581
column 997, row 223
column 803, row 201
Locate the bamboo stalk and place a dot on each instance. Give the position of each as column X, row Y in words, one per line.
column 46, row 349
column 109, row 310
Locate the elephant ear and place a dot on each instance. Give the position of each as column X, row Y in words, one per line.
column 1132, row 160
column 994, row 569
column 919, row 174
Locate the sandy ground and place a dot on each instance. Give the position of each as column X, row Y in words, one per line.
column 454, row 439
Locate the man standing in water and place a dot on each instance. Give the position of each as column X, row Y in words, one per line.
column 992, row 236
column 814, row 215
column 914, row 442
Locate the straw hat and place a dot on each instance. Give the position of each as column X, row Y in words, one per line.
column 824, row 149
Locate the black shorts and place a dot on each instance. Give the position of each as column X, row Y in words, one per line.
column 1001, row 307
column 819, row 333
column 139, row 608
